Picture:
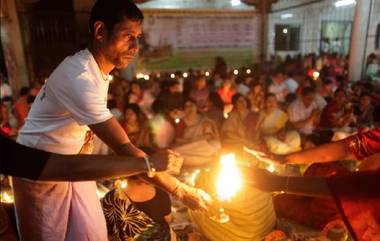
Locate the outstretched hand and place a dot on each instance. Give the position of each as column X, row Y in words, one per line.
column 266, row 157
column 194, row 198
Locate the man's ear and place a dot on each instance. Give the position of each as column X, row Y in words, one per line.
column 100, row 31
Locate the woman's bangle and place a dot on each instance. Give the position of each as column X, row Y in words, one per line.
column 151, row 170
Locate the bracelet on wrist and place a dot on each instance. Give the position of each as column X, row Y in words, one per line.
column 151, row 171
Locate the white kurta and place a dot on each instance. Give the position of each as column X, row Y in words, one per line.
column 74, row 97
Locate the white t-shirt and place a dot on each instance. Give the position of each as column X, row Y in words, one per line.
column 297, row 111
column 74, row 96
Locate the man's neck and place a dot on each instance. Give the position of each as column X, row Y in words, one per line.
column 104, row 65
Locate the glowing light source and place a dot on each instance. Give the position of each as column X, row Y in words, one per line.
column 110, row 77
column 285, row 30
column 271, row 168
column 146, row 77
column 6, row 197
column 207, row 73
column 236, row 72
column 139, row 76
column 172, row 76
column 123, row 184
column 315, row 75
column 248, row 71
column 177, row 120
column 185, row 75
column 342, row 3
column 229, row 180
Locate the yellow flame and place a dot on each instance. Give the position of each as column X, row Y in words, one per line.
column 229, row 180
column 6, row 197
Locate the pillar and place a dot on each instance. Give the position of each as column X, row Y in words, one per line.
column 358, row 39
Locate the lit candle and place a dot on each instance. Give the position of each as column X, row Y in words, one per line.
column 236, row 72
column 229, row 181
column 228, row 184
column 207, row 73
column 248, row 71
column 172, row 76
column 185, row 75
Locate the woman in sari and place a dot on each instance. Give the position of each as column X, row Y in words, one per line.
column 273, row 129
column 236, row 129
column 197, row 137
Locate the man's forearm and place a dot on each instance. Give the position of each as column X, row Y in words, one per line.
column 90, row 167
column 334, row 151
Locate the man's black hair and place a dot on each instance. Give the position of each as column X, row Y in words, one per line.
column 112, row 12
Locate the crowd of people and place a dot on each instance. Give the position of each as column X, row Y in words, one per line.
column 85, row 107
column 280, row 106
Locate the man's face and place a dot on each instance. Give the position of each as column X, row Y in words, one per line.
column 122, row 44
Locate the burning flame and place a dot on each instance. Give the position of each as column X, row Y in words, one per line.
column 229, row 180
column 6, row 197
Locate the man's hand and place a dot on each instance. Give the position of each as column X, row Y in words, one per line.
column 166, row 160
column 192, row 197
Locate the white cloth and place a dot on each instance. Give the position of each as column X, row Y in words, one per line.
column 292, row 85
column 5, row 90
column 280, row 90
column 74, row 96
column 292, row 143
column 297, row 111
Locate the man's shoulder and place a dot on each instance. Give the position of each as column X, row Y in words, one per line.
column 73, row 67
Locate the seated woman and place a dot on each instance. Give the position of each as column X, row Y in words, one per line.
column 273, row 129
column 237, row 127
column 136, row 126
column 137, row 211
column 256, row 97
column 214, row 109
column 197, row 137
column 272, row 118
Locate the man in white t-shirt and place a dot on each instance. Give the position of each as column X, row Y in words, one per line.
column 278, row 86
column 72, row 102
column 304, row 112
